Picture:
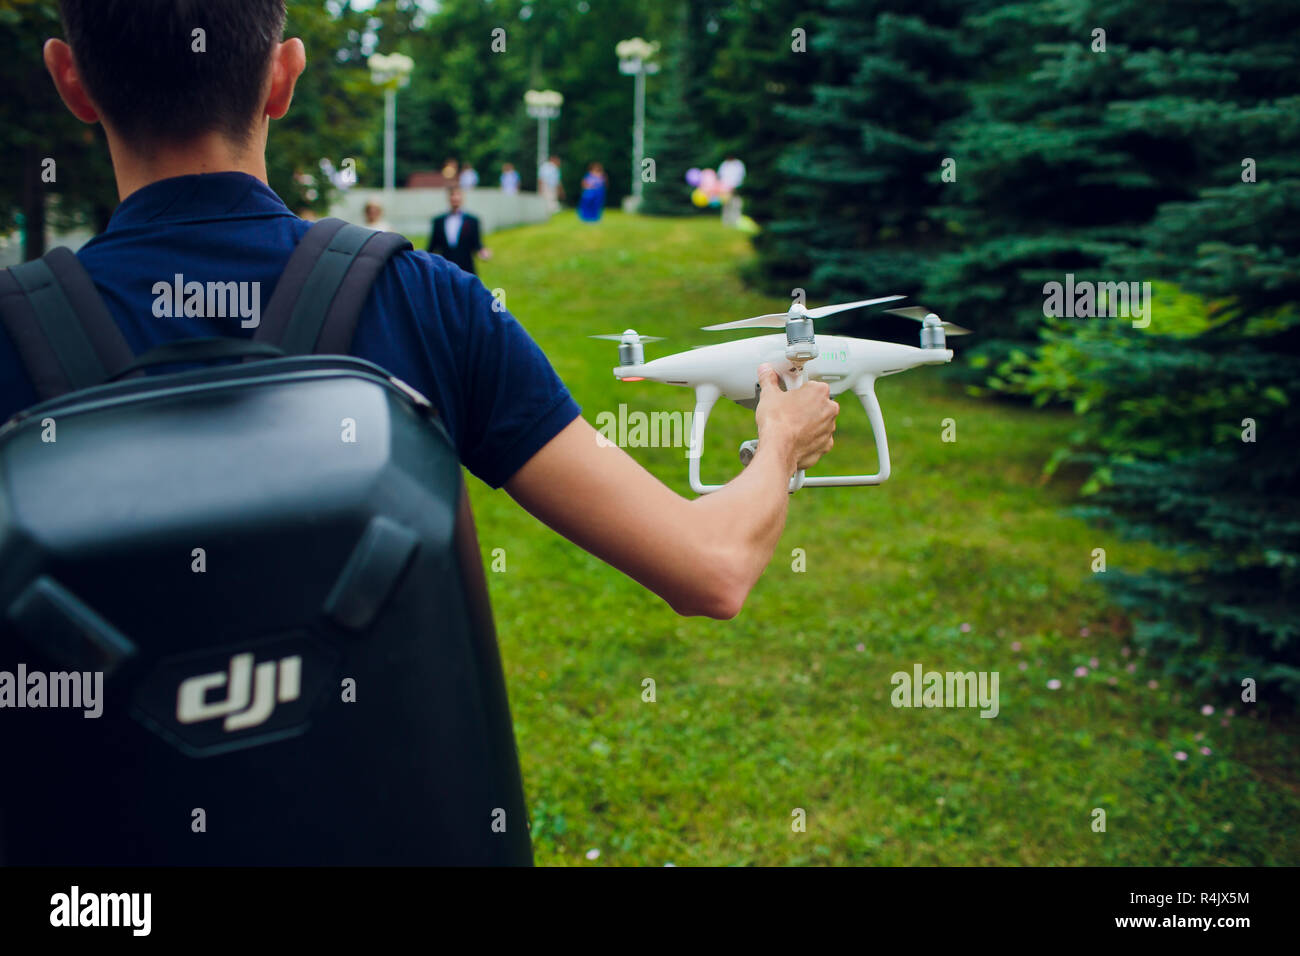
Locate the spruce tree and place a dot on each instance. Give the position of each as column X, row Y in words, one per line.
column 675, row 137
column 1222, row 490
column 763, row 66
column 866, row 159
column 1187, row 171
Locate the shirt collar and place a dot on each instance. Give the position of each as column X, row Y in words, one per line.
column 201, row 196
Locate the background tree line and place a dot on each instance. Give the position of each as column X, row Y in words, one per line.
column 1116, row 140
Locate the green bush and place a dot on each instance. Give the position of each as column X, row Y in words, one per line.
column 1188, row 430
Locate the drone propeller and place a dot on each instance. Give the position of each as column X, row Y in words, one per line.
column 777, row 320
column 825, row 310
column 918, row 313
column 773, row 320
column 625, row 337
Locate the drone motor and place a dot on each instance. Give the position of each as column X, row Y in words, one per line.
column 631, row 347
column 934, row 330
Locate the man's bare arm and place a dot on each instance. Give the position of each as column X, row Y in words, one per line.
column 704, row 555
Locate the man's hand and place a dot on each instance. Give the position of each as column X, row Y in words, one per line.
column 485, row 253
column 801, row 422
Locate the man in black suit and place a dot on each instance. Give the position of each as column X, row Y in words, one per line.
column 455, row 235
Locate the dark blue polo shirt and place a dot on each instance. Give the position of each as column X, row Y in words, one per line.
column 426, row 321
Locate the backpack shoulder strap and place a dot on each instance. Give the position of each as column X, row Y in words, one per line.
column 64, row 334
column 318, row 300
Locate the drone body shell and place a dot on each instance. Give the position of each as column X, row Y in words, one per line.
column 843, row 363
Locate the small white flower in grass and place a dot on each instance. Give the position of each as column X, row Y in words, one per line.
column 1200, row 736
column 1125, row 651
column 965, row 628
column 1084, row 632
column 1207, row 710
column 670, row 864
column 1223, row 722
column 1015, row 646
column 1093, row 663
column 1180, row 755
column 593, row 854
column 1081, row 671
column 1131, row 668
column 1112, row 681
column 1206, row 751
column 1053, row 684
column 1023, row 665
column 1152, row 684
column 1229, row 712
column 860, row 648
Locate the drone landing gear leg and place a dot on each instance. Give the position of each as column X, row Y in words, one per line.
column 706, row 396
column 865, row 390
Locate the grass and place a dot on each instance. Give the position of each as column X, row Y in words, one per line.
column 962, row 554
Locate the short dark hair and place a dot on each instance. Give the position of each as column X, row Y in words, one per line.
column 138, row 63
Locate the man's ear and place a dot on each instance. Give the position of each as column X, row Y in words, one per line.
column 63, row 70
column 288, row 60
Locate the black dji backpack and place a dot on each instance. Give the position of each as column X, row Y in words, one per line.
column 270, row 570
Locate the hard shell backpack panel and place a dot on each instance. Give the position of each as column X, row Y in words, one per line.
column 262, row 576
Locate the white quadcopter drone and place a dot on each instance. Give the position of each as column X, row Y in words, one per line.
column 841, row 361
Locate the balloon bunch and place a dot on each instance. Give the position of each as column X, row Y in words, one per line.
column 709, row 189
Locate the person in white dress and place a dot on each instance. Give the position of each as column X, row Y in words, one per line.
column 731, row 174
column 509, row 179
column 548, row 183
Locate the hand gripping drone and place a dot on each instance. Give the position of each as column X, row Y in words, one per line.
column 841, row 361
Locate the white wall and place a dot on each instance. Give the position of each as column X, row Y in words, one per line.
column 411, row 211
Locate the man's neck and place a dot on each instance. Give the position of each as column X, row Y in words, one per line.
column 210, row 153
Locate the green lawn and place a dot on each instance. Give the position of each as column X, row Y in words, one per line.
column 962, row 554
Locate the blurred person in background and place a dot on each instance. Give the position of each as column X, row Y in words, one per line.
column 509, row 179
column 548, row 184
column 592, row 202
column 468, row 177
column 375, row 217
column 731, row 174
column 456, row 235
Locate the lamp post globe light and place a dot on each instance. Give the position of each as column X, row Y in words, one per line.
column 390, row 72
column 544, row 106
column 635, row 58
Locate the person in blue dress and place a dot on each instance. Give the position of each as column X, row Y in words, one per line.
column 592, row 202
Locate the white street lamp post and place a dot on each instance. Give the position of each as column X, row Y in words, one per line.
column 390, row 72
column 634, row 57
column 544, row 106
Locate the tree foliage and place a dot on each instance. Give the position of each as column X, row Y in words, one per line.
column 863, row 171
column 1179, row 161
column 58, row 168
column 1115, row 141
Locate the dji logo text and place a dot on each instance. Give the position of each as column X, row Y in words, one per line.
column 251, row 693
